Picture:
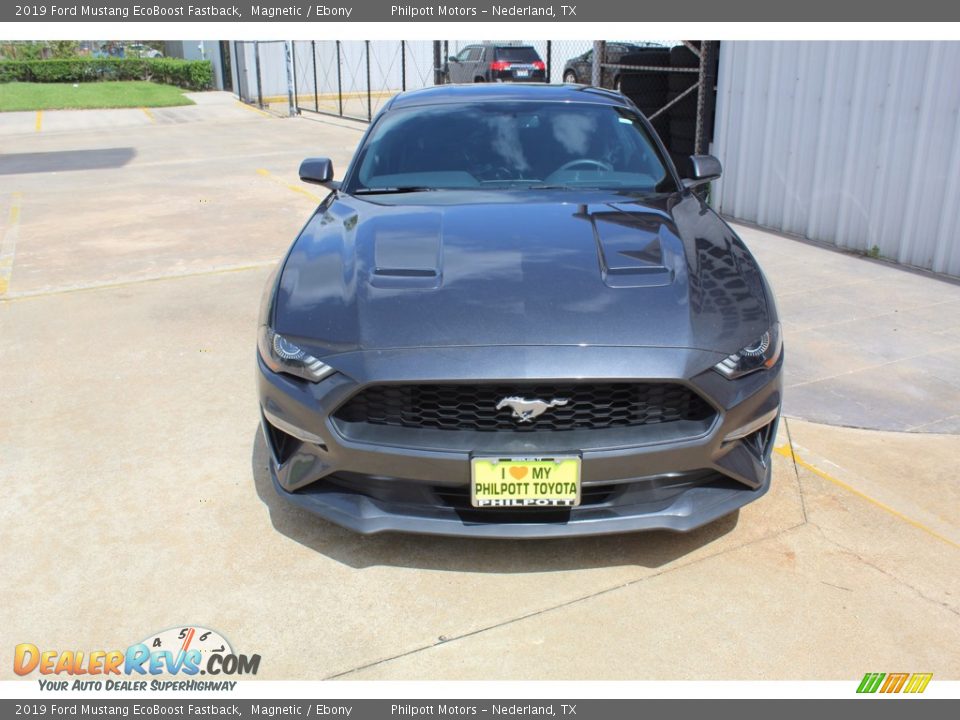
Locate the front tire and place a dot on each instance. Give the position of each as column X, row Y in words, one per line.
column 570, row 77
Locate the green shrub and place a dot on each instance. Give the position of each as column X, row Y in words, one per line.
column 189, row 74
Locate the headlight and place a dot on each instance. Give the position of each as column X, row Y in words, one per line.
column 283, row 356
column 758, row 355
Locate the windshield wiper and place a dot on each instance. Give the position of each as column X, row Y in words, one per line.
column 393, row 190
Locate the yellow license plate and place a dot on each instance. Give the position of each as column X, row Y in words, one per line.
column 525, row 482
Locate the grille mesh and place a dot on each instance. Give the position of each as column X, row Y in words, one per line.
column 590, row 406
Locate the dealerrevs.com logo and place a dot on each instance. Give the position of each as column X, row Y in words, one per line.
column 183, row 651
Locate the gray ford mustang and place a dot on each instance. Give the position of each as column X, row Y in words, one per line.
column 512, row 318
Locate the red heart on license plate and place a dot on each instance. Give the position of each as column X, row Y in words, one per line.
column 518, row 472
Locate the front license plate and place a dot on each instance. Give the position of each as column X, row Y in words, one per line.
column 525, row 482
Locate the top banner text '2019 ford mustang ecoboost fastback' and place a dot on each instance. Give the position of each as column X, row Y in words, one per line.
column 513, row 319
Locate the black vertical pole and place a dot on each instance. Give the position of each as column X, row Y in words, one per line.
column 709, row 102
column 339, row 81
column 366, row 44
column 293, row 59
column 549, row 61
column 316, row 90
column 403, row 66
column 236, row 62
column 437, row 73
column 256, row 58
column 705, row 85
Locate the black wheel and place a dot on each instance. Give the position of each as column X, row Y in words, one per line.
column 681, row 56
column 570, row 77
column 478, row 79
column 682, row 146
column 683, row 128
column 678, row 82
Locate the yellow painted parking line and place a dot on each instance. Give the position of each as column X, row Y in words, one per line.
column 789, row 453
column 251, row 108
column 96, row 286
column 38, row 124
column 9, row 244
column 148, row 114
column 295, row 188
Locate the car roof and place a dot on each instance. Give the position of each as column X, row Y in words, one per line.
column 499, row 92
column 499, row 45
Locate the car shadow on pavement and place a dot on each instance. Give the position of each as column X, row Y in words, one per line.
column 647, row 549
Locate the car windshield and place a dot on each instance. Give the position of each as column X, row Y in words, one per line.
column 509, row 145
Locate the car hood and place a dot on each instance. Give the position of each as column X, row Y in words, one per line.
column 449, row 269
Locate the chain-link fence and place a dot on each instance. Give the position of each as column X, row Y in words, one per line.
column 672, row 82
column 355, row 78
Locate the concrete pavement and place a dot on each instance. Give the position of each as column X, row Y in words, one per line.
column 870, row 344
column 135, row 493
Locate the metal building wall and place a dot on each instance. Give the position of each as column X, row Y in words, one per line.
column 851, row 143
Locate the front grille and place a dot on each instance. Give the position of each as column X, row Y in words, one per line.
column 590, row 406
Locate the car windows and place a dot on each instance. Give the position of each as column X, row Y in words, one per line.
column 511, row 145
column 464, row 54
column 517, row 54
column 475, row 54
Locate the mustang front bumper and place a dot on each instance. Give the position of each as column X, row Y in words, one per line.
column 397, row 479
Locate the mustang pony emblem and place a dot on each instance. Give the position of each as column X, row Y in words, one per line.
column 527, row 410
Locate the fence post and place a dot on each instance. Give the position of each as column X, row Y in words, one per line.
column 316, row 89
column 437, row 73
column 549, row 73
column 241, row 89
column 403, row 66
column 369, row 102
column 596, row 69
column 288, row 56
column 339, row 81
column 704, row 95
column 256, row 60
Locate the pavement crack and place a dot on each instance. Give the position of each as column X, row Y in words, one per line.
column 447, row 639
column 796, row 470
column 900, row 581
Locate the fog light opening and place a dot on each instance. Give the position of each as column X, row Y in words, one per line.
column 756, row 436
column 759, row 442
column 282, row 445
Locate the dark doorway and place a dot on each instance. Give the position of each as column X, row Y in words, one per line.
column 225, row 71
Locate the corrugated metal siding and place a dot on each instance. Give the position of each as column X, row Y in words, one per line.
column 851, row 143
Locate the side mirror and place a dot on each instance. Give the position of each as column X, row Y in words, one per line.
column 318, row 171
column 703, row 169
column 452, row 58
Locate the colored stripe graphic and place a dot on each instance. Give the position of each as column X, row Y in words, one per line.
column 870, row 682
column 918, row 682
column 894, row 682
